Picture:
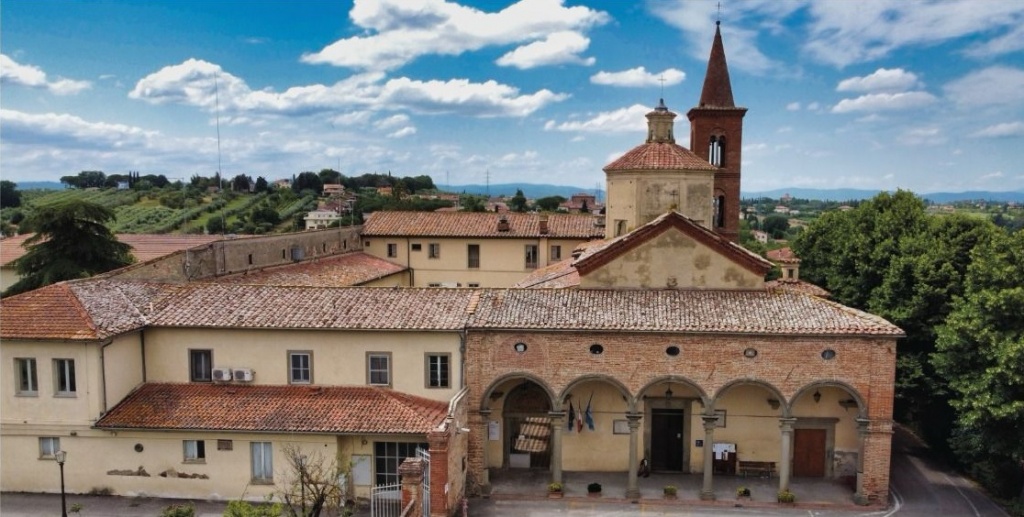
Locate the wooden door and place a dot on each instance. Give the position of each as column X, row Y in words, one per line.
column 809, row 453
column 667, row 440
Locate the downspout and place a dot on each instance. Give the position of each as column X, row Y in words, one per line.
column 103, row 374
column 408, row 262
column 462, row 358
column 142, row 341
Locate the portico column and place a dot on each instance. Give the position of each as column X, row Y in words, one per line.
column 485, row 472
column 862, row 432
column 707, row 491
column 632, row 487
column 786, row 425
column 557, row 423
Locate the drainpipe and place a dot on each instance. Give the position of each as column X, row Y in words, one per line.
column 103, row 374
column 142, row 341
column 408, row 262
column 462, row 358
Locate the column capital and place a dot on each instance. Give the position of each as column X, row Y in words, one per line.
column 786, row 424
column 634, row 416
column 710, row 422
column 556, row 415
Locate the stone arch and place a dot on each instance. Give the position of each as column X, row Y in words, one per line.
column 597, row 377
column 672, row 378
column 485, row 397
column 709, row 409
column 862, row 408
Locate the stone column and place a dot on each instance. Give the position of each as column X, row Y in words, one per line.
column 557, row 424
column 862, row 432
column 485, row 440
column 786, row 425
column 411, row 474
column 707, row 491
column 632, row 486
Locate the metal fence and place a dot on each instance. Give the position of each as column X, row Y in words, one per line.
column 386, row 500
column 425, row 491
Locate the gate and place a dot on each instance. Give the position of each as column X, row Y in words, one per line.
column 386, row 500
column 425, row 489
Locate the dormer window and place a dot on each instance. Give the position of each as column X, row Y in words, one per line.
column 716, row 151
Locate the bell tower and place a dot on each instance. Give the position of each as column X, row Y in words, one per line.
column 716, row 135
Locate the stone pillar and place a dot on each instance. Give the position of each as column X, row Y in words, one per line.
column 862, row 432
column 786, row 425
column 411, row 474
column 557, row 425
column 632, row 486
column 485, row 471
column 707, row 491
column 439, row 445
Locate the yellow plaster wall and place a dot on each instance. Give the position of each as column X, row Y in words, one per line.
column 599, row 450
column 339, row 357
column 8, row 276
column 45, row 408
column 122, row 360
column 672, row 256
column 638, row 197
column 751, row 423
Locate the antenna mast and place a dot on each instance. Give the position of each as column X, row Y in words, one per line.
column 220, row 175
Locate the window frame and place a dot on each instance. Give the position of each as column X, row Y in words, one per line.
column 555, row 253
column 392, row 250
column 51, row 441
column 434, row 250
column 266, row 463
column 473, row 256
column 292, row 368
column 428, row 366
column 370, row 356
column 527, row 263
column 64, row 382
column 21, row 387
column 192, row 354
column 198, row 454
column 387, row 456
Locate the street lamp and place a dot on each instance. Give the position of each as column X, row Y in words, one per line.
column 61, row 456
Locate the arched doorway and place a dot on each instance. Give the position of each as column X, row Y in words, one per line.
column 527, row 426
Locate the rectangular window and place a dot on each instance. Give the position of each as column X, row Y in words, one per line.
column 388, row 456
column 195, row 451
column 378, row 368
column 620, row 227
column 200, row 365
column 48, row 446
column 64, row 376
column 474, row 255
column 417, row 247
column 300, row 367
column 531, row 256
column 434, row 284
column 556, row 253
column 262, row 462
column 473, row 284
column 25, row 372
column 434, row 251
column 392, row 250
column 438, row 370
column 225, row 445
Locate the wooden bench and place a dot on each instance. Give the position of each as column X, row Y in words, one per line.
column 761, row 468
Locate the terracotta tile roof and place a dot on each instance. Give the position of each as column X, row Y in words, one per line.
column 648, row 310
column 51, row 312
column 783, row 256
column 479, row 224
column 335, row 271
column 659, row 156
column 144, row 247
column 717, row 90
column 283, row 307
column 265, row 408
column 555, row 276
column 797, row 286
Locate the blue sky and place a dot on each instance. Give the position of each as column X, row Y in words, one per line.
column 924, row 95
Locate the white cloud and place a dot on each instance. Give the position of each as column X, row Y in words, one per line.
column 70, row 131
column 12, row 72
column 882, row 80
column 992, row 86
column 814, row 106
column 629, row 119
column 400, row 31
column 793, row 106
column 923, row 136
column 884, row 102
column 1005, row 129
column 404, row 132
column 556, row 49
column 991, row 176
column 200, row 83
column 392, row 121
column 639, row 77
column 1011, row 41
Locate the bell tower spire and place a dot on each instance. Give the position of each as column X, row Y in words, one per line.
column 716, row 135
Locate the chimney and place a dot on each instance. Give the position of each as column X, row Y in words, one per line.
column 543, row 223
column 502, row 223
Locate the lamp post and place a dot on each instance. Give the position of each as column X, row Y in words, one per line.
column 61, row 456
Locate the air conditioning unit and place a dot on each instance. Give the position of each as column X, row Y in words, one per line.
column 244, row 374
column 222, row 374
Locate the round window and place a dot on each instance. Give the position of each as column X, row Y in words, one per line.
column 520, row 347
column 828, row 354
column 596, row 349
column 750, row 353
column 672, row 351
column 138, row 447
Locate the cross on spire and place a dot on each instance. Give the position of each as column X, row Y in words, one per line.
column 661, row 79
column 718, row 19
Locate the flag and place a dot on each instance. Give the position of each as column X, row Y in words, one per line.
column 579, row 418
column 589, row 416
column 572, row 416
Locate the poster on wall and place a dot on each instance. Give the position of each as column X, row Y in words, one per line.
column 493, row 431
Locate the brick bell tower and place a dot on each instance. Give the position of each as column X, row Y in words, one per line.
column 716, row 135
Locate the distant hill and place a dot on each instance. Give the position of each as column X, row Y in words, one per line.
column 857, row 194
column 530, row 190
column 40, row 185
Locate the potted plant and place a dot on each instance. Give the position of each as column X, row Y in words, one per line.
column 670, row 491
column 594, row 490
column 743, row 493
column 787, row 497
column 555, row 490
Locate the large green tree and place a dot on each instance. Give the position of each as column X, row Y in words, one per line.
column 9, row 194
column 71, row 241
column 518, row 202
column 980, row 351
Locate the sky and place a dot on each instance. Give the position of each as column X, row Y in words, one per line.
column 873, row 94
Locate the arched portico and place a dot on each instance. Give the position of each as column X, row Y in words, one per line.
column 828, row 431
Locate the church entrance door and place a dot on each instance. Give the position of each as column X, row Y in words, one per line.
column 809, row 452
column 667, row 440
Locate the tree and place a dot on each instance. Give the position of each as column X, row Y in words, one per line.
column 776, row 225
column 471, row 203
column 215, row 225
column 261, row 185
column 980, row 351
column 71, row 241
column 308, row 181
column 549, row 203
column 85, row 179
column 10, row 196
column 241, row 183
column 584, row 209
column 310, row 483
column 329, row 176
column 518, row 202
